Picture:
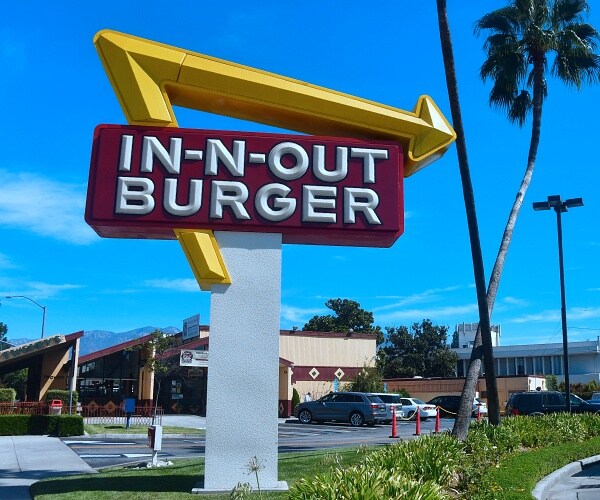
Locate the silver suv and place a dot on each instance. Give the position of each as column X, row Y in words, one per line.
column 391, row 399
column 357, row 408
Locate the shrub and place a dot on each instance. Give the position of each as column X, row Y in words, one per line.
column 62, row 395
column 295, row 399
column 7, row 395
column 55, row 425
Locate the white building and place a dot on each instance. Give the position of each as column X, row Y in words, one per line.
column 541, row 359
column 466, row 334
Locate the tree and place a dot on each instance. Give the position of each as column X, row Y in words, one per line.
column 482, row 345
column 17, row 381
column 349, row 317
column 368, row 379
column 156, row 361
column 3, row 339
column 522, row 37
column 420, row 351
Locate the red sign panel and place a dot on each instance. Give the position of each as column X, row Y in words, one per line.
column 145, row 182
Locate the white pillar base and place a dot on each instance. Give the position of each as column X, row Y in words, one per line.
column 243, row 366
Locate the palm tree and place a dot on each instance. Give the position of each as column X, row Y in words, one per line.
column 521, row 38
column 483, row 341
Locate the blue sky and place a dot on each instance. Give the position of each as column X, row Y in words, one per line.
column 55, row 92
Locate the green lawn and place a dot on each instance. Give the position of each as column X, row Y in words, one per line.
column 513, row 479
column 177, row 481
column 137, row 429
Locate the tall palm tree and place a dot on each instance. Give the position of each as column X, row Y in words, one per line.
column 483, row 341
column 521, row 39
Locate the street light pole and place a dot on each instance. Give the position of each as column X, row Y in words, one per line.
column 43, row 308
column 559, row 206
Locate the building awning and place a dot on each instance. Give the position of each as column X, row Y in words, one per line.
column 21, row 356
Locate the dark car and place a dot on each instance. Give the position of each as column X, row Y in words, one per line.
column 544, row 402
column 449, row 406
column 357, row 408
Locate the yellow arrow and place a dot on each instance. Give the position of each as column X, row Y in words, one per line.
column 149, row 77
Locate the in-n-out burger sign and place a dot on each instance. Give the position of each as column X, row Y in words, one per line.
column 145, row 182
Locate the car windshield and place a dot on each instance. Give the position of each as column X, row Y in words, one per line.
column 374, row 399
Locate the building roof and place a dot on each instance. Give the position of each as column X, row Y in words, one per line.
column 115, row 348
column 19, row 356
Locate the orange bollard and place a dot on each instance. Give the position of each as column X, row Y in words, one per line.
column 394, row 429
column 478, row 412
column 418, row 428
column 437, row 420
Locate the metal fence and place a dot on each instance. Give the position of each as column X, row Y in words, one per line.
column 94, row 414
column 142, row 415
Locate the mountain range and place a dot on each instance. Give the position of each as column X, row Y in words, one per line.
column 95, row 340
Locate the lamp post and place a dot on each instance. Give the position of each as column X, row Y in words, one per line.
column 559, row 206
column 43, row 308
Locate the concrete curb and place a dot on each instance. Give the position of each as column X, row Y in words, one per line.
column 542, row 487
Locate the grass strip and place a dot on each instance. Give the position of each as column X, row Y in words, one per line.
column 93, row 429
column 177, row 481
column 518, row 474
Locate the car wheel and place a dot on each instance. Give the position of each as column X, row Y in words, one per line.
column 356, row 419
column 305, row 416
column 536, row 414
column 411, row 415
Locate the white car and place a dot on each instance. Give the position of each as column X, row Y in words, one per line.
column 483, row 410
column 410, row 405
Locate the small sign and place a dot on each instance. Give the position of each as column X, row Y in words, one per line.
column 191, row 327
column 190, row 357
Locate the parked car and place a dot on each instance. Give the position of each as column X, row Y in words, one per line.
column 410, row 405
column 357, row 408
column 544, row 402
column 595, row 398
column 449, row 406
column 391, row 399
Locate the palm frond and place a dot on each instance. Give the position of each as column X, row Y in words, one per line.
column 503, row 20
column 521, row 106
column 568, row 11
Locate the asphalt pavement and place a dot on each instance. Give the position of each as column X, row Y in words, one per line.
column 27, row 459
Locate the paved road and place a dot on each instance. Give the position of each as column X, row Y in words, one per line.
column 293, row 437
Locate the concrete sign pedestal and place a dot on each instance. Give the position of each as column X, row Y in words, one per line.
column 242, row 394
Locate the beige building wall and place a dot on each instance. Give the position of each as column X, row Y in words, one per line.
column 321, row 349
column 320, row 358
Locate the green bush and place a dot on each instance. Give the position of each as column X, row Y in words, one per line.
column 7, row 395
column 295, row 399
column 54, row 425
column 62, row 395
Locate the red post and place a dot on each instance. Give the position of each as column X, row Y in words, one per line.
column 418, row 417
column 437, row 420
column 394, row 429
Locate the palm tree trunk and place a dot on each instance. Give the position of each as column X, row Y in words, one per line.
column 485, row 348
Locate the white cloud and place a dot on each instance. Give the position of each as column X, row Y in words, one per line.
column 35, row 290
column 431, row 295
column 181, row 285
column 576, row 313
column 433, row 313
column 5, row 262
column 45, row 207
column 514, row 301
column 297, row 315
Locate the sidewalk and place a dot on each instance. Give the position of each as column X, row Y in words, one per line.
column 577, row 481
column 27, row 459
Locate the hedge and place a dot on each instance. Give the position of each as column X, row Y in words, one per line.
column 54, row 425
column 62, row 395
column 7, row 395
